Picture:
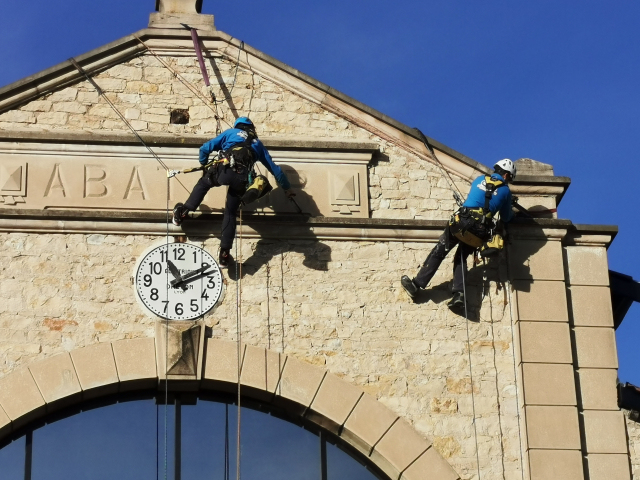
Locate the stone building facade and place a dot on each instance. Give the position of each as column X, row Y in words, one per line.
column 523, row 389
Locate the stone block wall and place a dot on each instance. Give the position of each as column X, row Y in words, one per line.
column 633, row 432
column 337, row 304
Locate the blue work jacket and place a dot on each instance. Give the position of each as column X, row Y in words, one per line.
column 500, row 200
column 234, row 136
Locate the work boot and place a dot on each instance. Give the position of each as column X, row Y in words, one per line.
column 409, row 287
column 457, row 302
column 179, row 214
column 224, row 258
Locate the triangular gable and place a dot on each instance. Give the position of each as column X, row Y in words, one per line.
column 398, row 179
column 218, row 44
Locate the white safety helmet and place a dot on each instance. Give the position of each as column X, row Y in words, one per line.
column 507, row 165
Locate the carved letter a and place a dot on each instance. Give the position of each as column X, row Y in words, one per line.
column 55, row 182
column 135, row 185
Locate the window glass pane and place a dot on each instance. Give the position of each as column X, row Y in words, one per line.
column 127, row 441
column 12, row 460
column 166, row 455
column 204, row 429
column 116, row 441
column 341, row 466
column 274, row 449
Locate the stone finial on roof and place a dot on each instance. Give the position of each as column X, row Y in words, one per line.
column 178, row 6
column 528, row 166
column 178, row 13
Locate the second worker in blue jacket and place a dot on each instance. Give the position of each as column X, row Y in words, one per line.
column 240, row 149
column 469, row 228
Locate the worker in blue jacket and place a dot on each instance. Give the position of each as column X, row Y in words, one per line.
column 469, row 228
column 240, row 148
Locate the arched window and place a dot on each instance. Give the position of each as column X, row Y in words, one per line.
column 188, row 437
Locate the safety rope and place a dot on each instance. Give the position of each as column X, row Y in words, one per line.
column 238, row 263
column 457, row 194
column 191, row 87
column 126, row 122
column 166, row 348
column 235, row 75
column 473, row 401
column 515, row 374
column 495, row 369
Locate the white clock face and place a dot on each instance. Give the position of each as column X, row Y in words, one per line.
column 178, row 281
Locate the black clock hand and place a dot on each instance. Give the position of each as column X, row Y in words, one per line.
column 176, row 274
column 173, row 269
column 188, row 275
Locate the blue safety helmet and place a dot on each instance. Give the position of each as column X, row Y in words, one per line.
column 243, row 121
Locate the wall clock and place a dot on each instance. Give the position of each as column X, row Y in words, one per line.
column 178, row 281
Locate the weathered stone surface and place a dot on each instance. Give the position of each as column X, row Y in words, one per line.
column 598, row 388
column 136, row 362
column 556, row 465
column 20, row 398
column 548, row 384
column 56, row 379
column 398, row 448
column 605, row 467
column 587, row 266
column 545, row 342
column 633, row 432
column 430, row 466
column 334, row 402
column 367, row 423
column 261, row 371
column 596, row 347
column 540, row 300
column 604, row 431
column 553, row 428
column 591, row 306
column 95, row 366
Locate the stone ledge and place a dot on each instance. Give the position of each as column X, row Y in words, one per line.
column 183, row 140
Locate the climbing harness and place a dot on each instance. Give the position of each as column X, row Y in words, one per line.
column 474, row 226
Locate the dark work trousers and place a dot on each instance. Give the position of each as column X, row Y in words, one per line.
column 444, row 246
column 237, row 182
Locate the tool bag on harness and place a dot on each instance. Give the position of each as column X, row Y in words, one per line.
column 475, row 226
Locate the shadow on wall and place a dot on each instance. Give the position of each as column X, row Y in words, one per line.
column 317, row 255
column 481, row 274
column 277, row 200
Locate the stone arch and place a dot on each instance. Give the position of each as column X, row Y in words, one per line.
column 302, row 389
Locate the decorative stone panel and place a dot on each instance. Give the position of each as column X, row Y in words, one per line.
column 179, row 349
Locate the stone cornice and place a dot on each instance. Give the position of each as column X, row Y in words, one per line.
column 291, row 226
column 182, row 140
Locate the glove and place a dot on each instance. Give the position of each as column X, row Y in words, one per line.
column 514, row 199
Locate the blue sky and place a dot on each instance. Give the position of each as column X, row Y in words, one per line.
column 553, row 81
